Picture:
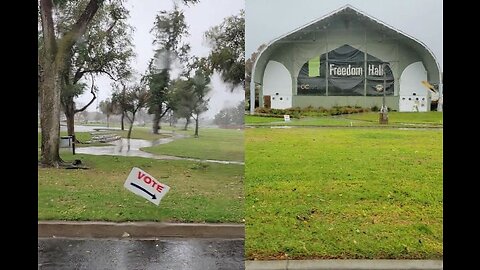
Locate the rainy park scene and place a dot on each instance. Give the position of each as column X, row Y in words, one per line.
column 240, row 134
column 140, row 134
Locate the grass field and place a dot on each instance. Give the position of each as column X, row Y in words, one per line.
column 98, row 193
column 403, row 117
column 307, row 121
column 343, row 193
column 360, row 119
column 144, row 133
column 251, row 119
column 213, row 143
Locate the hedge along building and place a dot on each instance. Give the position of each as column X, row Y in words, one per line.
column 344, row 59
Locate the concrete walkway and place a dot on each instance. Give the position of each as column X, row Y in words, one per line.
column 345, row 265
column 140, row 230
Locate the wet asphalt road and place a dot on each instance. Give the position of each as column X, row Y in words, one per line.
column 201, row 254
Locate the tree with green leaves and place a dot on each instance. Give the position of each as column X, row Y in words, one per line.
column 169, row 29
column 232, row 116
column 105, row 49
column 54, row 56
column 131, row 101
column 181, row 96
column 119, row 98
column 191, row 97
column 108, row 108
column 228, row 49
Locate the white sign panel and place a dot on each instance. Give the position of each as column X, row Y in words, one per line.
column 145, row 185
column 286, row 117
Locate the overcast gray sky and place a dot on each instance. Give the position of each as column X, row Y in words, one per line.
column 266, row 20
column 200, row 18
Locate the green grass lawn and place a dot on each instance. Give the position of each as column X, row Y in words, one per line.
column 144, row 133
column 98, row 193
column 403, row 117
column 213, row 143
column 252, row 119
column 360, row 119
column 343, row 193
column 307, row 121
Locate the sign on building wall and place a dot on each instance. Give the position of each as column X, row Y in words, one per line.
column 345, row 73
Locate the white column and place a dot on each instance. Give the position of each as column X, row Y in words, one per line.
column 440, row 98
column 252, row 95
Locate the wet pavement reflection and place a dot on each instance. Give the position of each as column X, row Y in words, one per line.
column 201, row 254
column 131, row 148
column 128, row 148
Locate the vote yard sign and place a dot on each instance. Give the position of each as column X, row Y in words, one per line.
column 145, row 185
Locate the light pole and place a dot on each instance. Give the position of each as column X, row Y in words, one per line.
column 383, row 119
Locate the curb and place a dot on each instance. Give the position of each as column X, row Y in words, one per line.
column 345, row 265
column 94, row 229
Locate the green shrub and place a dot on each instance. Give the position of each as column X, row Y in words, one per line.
column 310, row 111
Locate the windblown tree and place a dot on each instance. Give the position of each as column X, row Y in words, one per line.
column 54, row 57
column 181, row 96
column 105, row 49
column 228, row 49
column 119, row 97
column 232, row 116
column 107, row 108
column 169, row 29
column 191, row 97
column 135, row 98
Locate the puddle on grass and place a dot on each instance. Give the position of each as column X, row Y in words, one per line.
column 131, row 148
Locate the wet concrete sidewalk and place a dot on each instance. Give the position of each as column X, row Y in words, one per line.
column 140, row 245
column 195, row 254
column 345, row 265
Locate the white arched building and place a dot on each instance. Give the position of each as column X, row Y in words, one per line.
column 344, row 59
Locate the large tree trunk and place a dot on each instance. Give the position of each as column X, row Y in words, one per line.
column 159, row 114
column 196, row 126
column 69, row 109
column 108, row 116
column 50, row 91
column 50, row 117
column 70, row 123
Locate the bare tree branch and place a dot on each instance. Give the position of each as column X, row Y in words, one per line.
column 79, row 28
column 92, row 90
column 81, row 73
column 128, row 117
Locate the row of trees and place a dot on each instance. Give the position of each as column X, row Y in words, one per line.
column 80, row 40
column 232, row 116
